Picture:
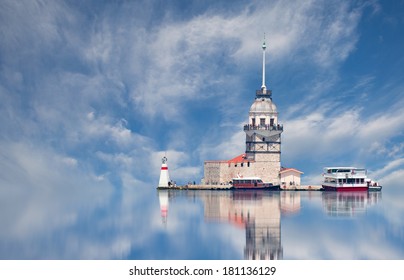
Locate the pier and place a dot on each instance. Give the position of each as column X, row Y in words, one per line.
column 302, row 188
column 229, row 187
column 197, row 187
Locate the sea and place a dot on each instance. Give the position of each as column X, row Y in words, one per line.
column 143, row 223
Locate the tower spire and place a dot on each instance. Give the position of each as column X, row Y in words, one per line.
column 263, row 64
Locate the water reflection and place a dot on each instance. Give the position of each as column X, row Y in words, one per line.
column 348, row 204
column 259, row 213
column 163, row 199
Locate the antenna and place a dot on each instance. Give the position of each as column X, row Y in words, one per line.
column 263, row 64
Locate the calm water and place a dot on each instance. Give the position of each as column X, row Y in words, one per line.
column 143, row 223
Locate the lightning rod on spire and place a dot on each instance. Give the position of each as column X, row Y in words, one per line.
column 263, row 64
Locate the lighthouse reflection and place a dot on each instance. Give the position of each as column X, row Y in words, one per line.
column 259, row 213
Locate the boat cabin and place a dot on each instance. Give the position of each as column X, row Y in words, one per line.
column 247, row 182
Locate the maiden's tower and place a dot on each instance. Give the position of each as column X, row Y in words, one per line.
column 262, row 157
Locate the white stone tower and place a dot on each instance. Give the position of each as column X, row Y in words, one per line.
column 164, row 176
column 263, row 133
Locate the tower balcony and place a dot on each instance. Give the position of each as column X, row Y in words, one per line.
column 278, row 127
column 265, row 129
column 263, row 93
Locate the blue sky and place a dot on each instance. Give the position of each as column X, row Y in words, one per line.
column 95, row 92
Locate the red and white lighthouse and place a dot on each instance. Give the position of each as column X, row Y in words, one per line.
column 164, row 176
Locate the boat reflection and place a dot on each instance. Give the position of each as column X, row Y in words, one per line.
column 348, row 204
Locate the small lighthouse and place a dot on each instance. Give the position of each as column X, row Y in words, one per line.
column 164, row 176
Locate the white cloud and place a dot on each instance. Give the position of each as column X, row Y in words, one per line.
column 34, row 181
column 164, row 68
column 232, row 146
column 183, row 56
column 328, row 134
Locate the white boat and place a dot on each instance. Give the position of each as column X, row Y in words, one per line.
column 345, row 179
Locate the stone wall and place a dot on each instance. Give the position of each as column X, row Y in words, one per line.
column 222, row 172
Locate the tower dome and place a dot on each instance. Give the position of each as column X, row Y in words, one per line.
column 263, row 106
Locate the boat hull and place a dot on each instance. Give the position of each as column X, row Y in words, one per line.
column 267, row 188
column 345, row 189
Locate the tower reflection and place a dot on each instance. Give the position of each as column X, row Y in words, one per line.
column 257, row 212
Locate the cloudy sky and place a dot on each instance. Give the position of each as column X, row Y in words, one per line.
column 98, row 91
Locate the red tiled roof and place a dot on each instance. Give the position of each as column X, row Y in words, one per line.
column 237, row 159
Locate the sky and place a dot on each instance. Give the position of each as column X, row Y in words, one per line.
column 94, row 93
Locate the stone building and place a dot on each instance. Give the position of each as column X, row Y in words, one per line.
column 262, row 157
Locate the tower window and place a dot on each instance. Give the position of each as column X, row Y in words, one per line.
column 262, row 121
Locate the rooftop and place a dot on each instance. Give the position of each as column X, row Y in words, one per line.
column 284, row 169
column 239, row 158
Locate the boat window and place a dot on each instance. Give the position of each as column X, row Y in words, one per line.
column 343, row 170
